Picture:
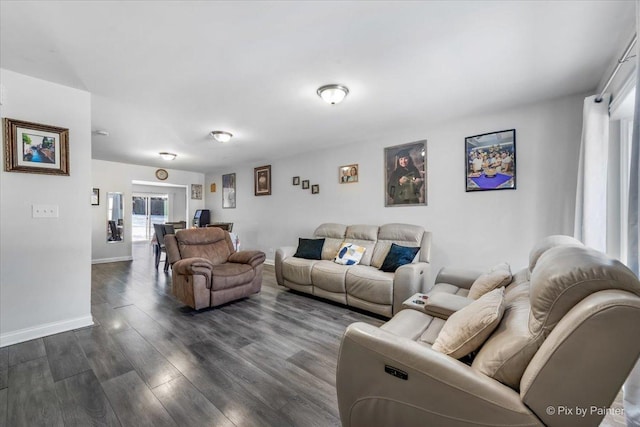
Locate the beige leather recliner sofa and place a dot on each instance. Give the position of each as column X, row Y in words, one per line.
column 363, row 285
column 565, row 345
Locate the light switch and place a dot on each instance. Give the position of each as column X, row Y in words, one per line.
column 44, row 211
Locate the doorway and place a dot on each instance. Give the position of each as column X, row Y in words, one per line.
column 147, row 209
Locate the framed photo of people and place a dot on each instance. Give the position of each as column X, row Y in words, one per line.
column 406, row 174
column 491, row 161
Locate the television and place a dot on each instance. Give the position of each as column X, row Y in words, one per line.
column 201, row 218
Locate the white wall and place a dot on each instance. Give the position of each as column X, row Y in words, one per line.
column 469, row 229
column 119, row 177
column 45, row 276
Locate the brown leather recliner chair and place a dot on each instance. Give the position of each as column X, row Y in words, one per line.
column 558, row 357
column 207, row 271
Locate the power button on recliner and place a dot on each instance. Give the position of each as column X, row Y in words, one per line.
column 396, row 372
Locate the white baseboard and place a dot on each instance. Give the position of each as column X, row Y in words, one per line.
column 40, row 331
column 116, row 259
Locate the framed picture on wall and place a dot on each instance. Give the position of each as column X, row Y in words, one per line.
column 406, row 174
column 305, row 184
column 229, row 191
column 262, row 180
column 95, row 197
column 348, row 174
column 490, row 161
column 196, row 191
column 35, row 148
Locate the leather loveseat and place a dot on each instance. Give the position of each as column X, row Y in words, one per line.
column 363, row 285
column 206, row 269
column 564, row 345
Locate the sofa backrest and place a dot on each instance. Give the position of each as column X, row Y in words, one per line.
column 376, row 240
column 403, row 235
column 333, row 235
column 211, row 243
column 563, row 277
column 365, row 236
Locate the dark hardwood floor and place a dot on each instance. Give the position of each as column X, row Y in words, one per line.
column 267, row 360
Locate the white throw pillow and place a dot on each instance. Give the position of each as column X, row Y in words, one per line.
column 466, row 330
column 497, row 277
column 349, row 254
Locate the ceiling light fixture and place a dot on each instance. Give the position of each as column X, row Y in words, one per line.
column 333, row 94
column 221, row 136
column 102, row 132
column 167, row 156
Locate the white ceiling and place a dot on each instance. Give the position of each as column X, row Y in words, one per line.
column 164, row 74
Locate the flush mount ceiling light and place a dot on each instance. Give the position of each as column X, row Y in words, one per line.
column 221, row 136
column 167, row 156
column 333, row 94
column 101, row 132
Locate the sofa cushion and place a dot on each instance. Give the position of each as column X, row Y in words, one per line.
column 466, row 330
column 508, row 351
column 298, row 270
column 309, row 248
column 231, row 275
column 497, row 277
column 370, row 284
column 397, row 257
column 365, row 236
column 547, row 243
column 349, row 254
column 333, row 235
column 400, row 234
column 448, row 288
column 329, row 276
column 211, row 243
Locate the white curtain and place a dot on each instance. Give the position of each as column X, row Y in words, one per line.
column 591, row 213
column 631, row 389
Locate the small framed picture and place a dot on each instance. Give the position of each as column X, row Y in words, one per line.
column 262, row 180
column 196, row 191
column 95, row 197
column 296, row 180
column 315, row 189
column 348, row 174
column 35, row 148
column 491, row 161
column 305, row 184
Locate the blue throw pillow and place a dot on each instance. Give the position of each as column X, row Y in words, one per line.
column 397, row 257
column 309, row 248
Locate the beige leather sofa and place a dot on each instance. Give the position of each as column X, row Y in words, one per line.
column 566, row 342
column 363, row 285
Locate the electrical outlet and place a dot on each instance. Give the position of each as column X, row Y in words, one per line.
column 44, row 211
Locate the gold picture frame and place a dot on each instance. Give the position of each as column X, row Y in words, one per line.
column 35, row 148
column 348, row 174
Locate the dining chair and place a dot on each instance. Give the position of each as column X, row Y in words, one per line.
column 161, row 230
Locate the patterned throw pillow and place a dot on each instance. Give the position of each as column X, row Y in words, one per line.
column 349, row 254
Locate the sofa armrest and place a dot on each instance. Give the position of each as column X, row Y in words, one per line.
column 435, row 389
column 443, row 305
column 194, row 267
column 458, row 277
column 408, row 280
column 253, row 258
column 282, row 254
